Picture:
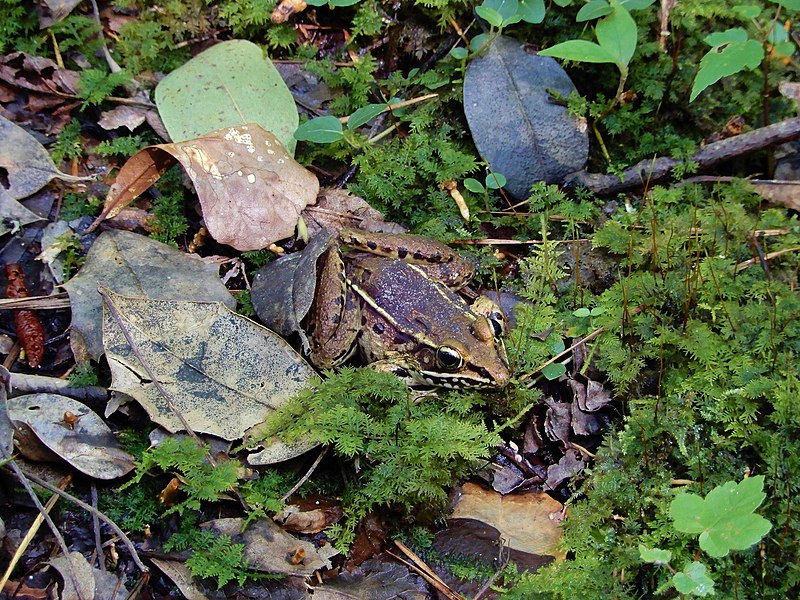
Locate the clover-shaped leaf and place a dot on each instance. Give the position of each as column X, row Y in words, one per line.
column 693, row 580
column 725, row 518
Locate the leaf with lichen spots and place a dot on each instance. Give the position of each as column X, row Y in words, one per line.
column 250, row 188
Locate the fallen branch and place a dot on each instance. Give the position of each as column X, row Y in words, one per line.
column 647, row 172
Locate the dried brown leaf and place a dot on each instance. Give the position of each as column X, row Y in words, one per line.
column 251, row 190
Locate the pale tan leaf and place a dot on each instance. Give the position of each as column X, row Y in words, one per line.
column 135, row 265
column 72, row 431
column 528, row 522
column 224, row 372
column 75, row 569
column 179, row 575
column 251, row 190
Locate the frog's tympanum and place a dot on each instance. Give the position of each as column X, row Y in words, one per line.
column 392, row 299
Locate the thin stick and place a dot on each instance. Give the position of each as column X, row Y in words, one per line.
column 33, row 384
column 23, row 479
column 305, row 477
column 434, row 580
column 37, row 523
column 98, row 543
column 402, row 104
column 88, row 507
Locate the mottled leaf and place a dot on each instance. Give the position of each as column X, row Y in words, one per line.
column 73, row 432
column 223, row 372
column 135, row 265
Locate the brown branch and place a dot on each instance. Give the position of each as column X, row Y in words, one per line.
column 650, row 171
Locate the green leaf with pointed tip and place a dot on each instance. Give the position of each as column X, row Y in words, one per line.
column 617, row 34
column 364, row 115
column 580, row 51
column 229, row 84
column 694, row 580
column 594, row 9
column 490, row 15
column 322, row 130
column 733, row 58
column 532, row 11
column 554, row 371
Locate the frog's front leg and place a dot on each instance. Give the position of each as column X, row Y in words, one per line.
column 438, row 261
column 334, row 318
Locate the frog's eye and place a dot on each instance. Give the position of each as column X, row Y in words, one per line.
column 448, row 358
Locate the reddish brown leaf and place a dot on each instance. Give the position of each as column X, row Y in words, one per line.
column 250, row 189
column 30, row 332
column 38, row 74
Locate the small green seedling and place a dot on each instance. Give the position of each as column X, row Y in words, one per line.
column 493, row 181
column 725, row 520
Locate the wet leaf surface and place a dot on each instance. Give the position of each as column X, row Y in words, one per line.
column 224, row 373
column 376, row 579
column 135, row 265
column 73, row 432
column 516, row 125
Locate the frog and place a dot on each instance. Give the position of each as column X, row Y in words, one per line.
column 393, row 299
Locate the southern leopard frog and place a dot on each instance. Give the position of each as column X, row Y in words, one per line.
column 393, row 301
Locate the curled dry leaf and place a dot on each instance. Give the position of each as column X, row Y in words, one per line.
column 223, row 372
column 528, row 522
column 250, row 188
column 83, row 440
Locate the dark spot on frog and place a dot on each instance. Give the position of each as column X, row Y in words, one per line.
column 378, row 328
column 402, row 252
column 363, row 321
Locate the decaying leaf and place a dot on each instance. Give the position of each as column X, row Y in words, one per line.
column 518, row 128
column 251, row 190
column 27, row 164
column 179, row 574
column 785, row 193
column 137, row 266
column 338, row 208
column 374, row 580
column 13, row 215
column 224, row 373
column 129, row 117
column 283, row 290
column 72, row 431
column 93, row 583
column 229, row 84
column 270, row 549
column 528, row 522
column 30, row 332
column 293, row 518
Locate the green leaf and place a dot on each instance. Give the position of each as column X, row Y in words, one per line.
column 507, row 9
column 790, row 4
column 229, row 84
column 478, row 42
column 594, row 9
column 342, row 3
column 532, row 11
column 322, row 130
column 473, row 185
column 636, row 4
column 654, row 555
column 364, row 115
column 491, row 16
column 694, row 580
column 554, row 371
column 724, row 519
column 494, row 181
column 317, row 2
column 729, row 36
column 459, row 53
column 730, row 60
column 748, row 11
column 557, row 345
column 617, row 34
column 580, row 51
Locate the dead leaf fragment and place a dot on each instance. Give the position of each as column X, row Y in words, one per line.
column 270, row 549
column 293, row 518
column 134, row 265
column 250, row 188
column 526, row 521
column 88, row 445
column 77, row 574
column 223, row 372
column 374, row 580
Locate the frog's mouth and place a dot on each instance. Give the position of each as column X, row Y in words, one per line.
column 453, row 381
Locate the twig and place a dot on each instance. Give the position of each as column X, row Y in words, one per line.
column 91, row 510
column 98, row 543
column 415, row 563
column 502, row 561
column 651, row 170
column 54, row 302
column 32, row 384
column 37, row 523
column 305, row 477
column 23, row 479
column 749, row 263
